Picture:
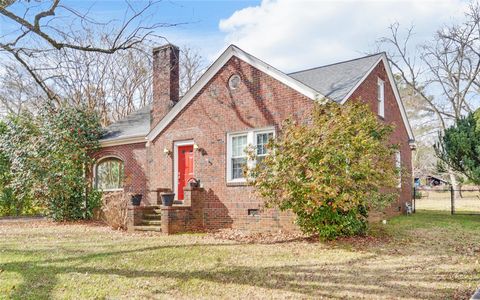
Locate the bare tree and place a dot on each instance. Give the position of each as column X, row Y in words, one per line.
column 43, row 27
column 112, row 84
column 448, row 67
column 17, row 90
column 192, row 66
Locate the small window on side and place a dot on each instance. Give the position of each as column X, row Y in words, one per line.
column 381, row 97
column 398, row 166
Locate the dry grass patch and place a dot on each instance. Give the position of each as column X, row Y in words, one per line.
column 426, row 256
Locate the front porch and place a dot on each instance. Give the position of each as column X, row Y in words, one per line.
column 187, row 216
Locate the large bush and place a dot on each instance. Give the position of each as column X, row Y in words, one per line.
column 49, row 160
column 10, row 205
column 330, row 172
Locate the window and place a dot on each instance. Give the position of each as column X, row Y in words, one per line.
column 234, row 81
column 398, row 166
column 109, row 174
column 237, row 158
column 262, row 140
column 381, row 97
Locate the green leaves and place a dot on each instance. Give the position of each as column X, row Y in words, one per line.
column 459, row 147
column 48, row 159
column 330, row 172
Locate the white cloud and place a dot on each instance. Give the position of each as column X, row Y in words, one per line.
column 296, row 34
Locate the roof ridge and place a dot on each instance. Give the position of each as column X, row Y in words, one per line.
column 337, row 63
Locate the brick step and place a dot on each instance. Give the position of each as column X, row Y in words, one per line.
column 148, row 228
column 152, row 222
column 152, row 216
column 158, row 211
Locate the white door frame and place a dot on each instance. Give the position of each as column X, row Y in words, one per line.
column 175, row 163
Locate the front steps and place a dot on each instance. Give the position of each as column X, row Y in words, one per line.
column 152, row 220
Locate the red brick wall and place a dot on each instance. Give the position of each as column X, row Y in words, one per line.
column 134, row 159
column 260, row 101
column 367, row 92
column 165, row 81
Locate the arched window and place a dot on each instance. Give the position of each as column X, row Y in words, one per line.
column 109, row 174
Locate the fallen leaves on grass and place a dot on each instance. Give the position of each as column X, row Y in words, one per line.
column 271, row 237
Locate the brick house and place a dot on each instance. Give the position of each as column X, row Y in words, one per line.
column 239, row 100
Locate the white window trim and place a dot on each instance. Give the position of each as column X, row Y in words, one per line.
column 95, row 173
column 398, row 166
column 251, row 141
column 175, row 163
column 381, row 99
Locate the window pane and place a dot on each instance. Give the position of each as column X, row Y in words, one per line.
column 109, row 174
column 262, row 141
column 239, row 143
column 237, row 167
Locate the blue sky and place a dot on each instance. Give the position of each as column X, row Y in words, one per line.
column 289, row 34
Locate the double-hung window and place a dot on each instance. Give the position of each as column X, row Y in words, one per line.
column 237, row 144
column 381, row 97
column 238, row 157
column 262, row 139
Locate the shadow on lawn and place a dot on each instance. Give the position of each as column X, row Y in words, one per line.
column 365, row 275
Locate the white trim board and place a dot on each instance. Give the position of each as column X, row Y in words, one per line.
column 231, row 51
column 123, row 141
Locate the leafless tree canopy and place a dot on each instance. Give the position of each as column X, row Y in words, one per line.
column 441, row 76
column 45, row 27
column 59, row 55
column 450, row 63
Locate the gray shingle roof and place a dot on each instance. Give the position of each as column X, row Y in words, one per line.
column 335, row 81
column 135, row 124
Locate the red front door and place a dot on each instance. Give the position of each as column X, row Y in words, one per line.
column 185, row 167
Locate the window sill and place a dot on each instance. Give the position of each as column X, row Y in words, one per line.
column 237, row 183
column 111, row 190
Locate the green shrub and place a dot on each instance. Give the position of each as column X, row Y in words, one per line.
column 49, row 159
column 331, row 171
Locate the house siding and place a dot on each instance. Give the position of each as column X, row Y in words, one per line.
column 134, row 157
column 260, row 101
column 367, row 92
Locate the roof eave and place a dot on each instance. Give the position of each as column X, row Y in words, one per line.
column 123, row 141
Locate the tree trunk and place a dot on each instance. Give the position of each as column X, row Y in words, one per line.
column 455, row 185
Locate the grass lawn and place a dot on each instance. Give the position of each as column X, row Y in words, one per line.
column 440, row 200
column 430, row 255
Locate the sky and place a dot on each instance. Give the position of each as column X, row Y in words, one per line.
column 288, row 34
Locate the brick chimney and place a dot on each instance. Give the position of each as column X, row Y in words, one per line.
column 165, row 81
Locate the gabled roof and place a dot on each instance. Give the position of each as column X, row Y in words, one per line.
column 335, row 81
column 131, row 129
column 231, row 51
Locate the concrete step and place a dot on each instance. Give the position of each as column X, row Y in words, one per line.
column 158, row 211
column 152, row 222
column 153, row 216
column 148, row 228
